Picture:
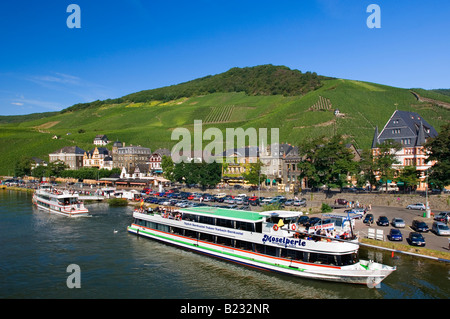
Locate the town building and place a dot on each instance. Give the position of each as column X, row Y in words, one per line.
column 155, row 160
column 411, row 131
column 280, row 165
column 96, row 157
column 72, row 156
column 129, row 156
column 238, row 159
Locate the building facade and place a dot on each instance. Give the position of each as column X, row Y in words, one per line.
column 96, row 157
column 130, row 156
column 411, row 132
column 72, row 156
column 155, row 160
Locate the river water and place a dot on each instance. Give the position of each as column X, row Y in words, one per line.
column 36, row 248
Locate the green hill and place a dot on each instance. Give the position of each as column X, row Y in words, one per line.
column 301, row 105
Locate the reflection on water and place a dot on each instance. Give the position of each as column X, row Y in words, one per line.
column 37, row 247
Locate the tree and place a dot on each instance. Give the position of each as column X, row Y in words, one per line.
column 23, row 167
column 253, row 174
column 367, row 171
column 384, row 160
column 409, row 175
column 439, row 151
column 167, row 167
column 326, row 162
column 209, row 174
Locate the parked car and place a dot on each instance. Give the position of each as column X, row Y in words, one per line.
column 398, row 222
column 395, row 235
column 419, row 206
column 300, row 202
column 442, row 217
column 440, row 229
column 368, row 219
column 341, row 201
column 419, row 226
column 207, row 198
column 416, row 239
column 254, row 200
column 383, row 221
column 228, row 200
column 289, row 202
column 239, row 201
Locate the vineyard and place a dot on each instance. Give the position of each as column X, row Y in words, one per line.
column 322, row 104
column 220, row 114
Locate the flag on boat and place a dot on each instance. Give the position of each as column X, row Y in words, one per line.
column 280, row 223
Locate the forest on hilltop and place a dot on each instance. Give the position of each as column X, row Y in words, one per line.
column 259, row 80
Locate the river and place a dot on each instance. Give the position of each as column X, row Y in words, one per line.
column 37, row 247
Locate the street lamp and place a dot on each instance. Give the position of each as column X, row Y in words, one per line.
column 427, row 207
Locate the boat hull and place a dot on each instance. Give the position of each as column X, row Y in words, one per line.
column 363, row 272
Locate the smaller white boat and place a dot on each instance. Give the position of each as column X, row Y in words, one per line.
column 54, row 201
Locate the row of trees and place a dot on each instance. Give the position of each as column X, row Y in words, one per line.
column 204, row 174
column 23, row 167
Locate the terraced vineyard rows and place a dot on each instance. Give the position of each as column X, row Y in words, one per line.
column 220, row 114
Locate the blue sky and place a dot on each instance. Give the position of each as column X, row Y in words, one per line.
column 128, row 46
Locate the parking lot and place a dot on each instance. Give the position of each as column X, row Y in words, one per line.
column 432, row 240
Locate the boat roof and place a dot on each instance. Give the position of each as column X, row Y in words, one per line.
column 281, row 213
column 224, row 213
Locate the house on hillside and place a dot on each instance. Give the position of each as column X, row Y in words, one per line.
column 411, row 131
column 101, row 140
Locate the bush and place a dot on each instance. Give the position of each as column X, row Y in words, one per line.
column 117, row 202
column 325, row 208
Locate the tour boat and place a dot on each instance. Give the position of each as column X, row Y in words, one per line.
column 59, row 202
column 273, row 241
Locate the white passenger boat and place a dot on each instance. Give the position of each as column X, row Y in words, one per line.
column 270, row 241
column 59, row 202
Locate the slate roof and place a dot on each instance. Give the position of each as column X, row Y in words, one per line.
column 406, row 128
column 70, row 150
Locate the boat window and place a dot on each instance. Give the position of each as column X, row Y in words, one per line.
column 190, row 233
column 206, row 220
column 269, row 250
column 207, row 237
column 224, row 241
column 244, row 245
column 190, row 217
column 349, row 259
column 245, row 226
column 258, row 227
column 224, row 223
column 292, row 254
